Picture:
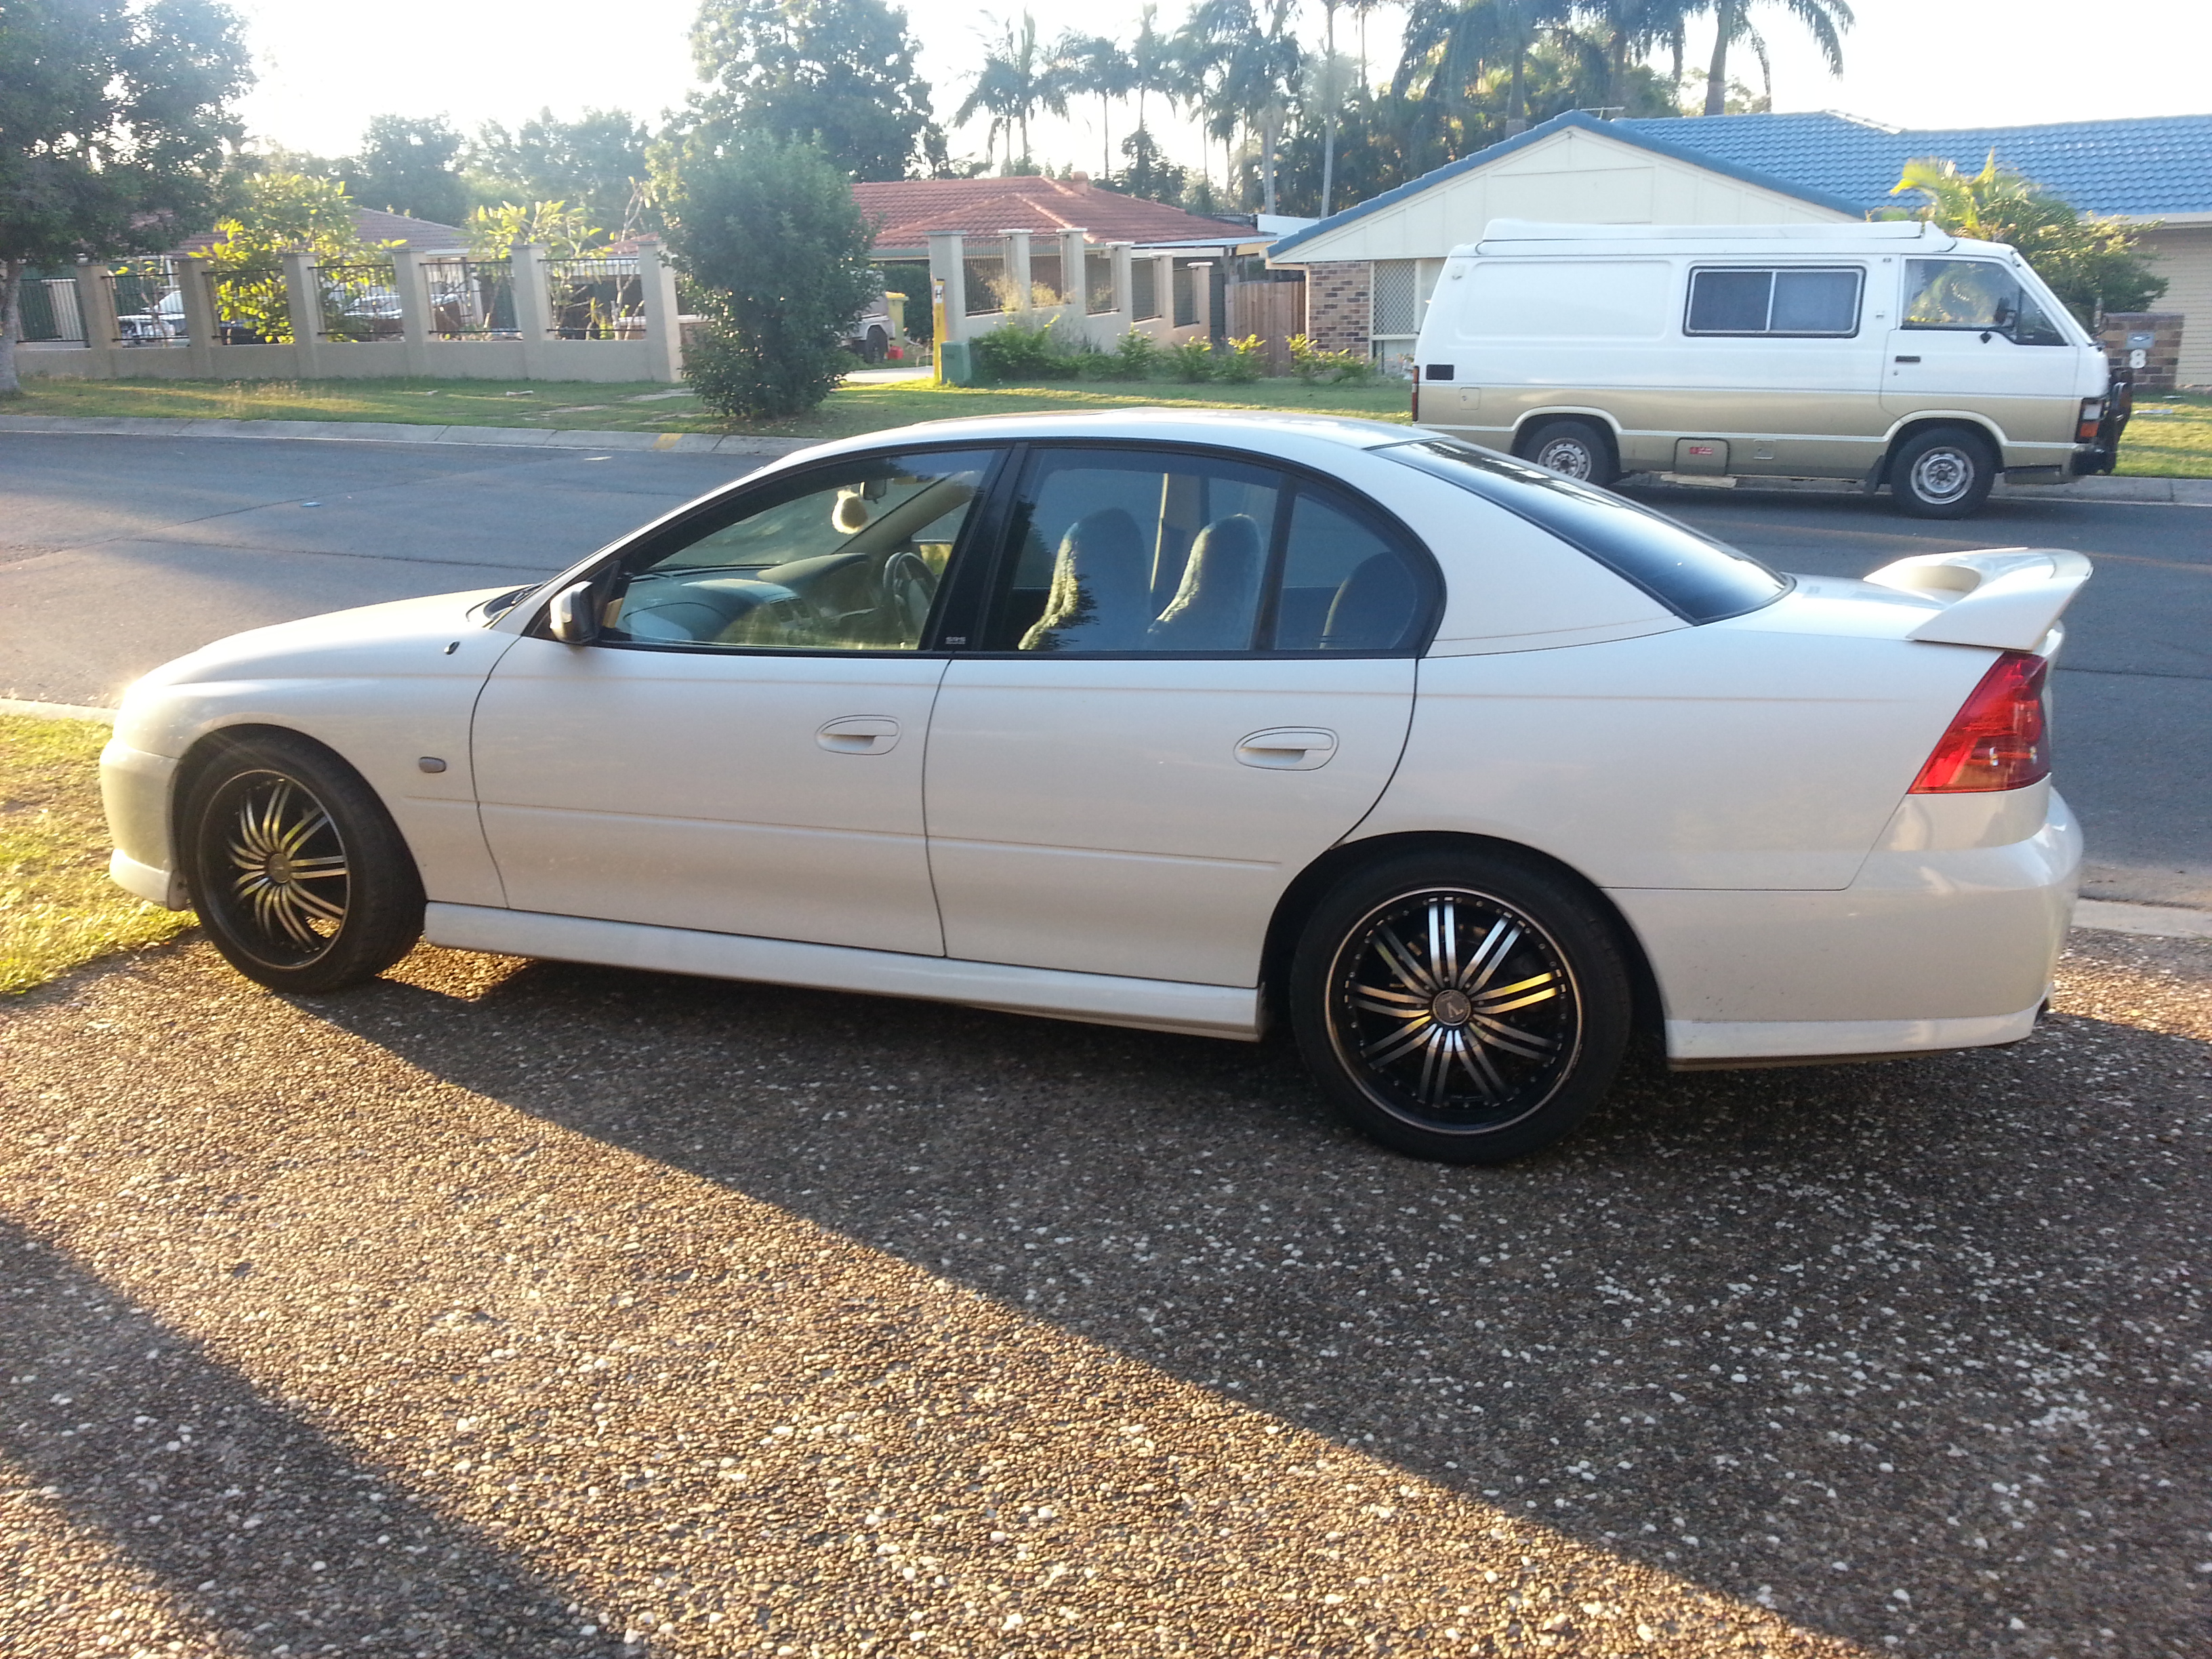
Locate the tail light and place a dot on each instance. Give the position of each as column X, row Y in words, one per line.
column 2092, row 419
column 1998, row 740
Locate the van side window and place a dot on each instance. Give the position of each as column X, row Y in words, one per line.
column 1794, row 301
column 1973, row 293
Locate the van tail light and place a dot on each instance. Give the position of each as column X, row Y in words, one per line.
column 1999, row 740
column 2092, row 421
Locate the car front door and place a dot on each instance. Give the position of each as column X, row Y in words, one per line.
column 1194, row 674
column 1969, row 337
column 740, row 750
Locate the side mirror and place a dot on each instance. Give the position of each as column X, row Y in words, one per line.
column 573, row 616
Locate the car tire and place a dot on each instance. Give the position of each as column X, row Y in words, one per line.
column 1573, row 449
column 1466, row 1009
column 1944, row 472
column 298, row 874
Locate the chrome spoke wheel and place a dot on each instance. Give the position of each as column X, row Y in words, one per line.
column 285, row 875
column 1453, row 1010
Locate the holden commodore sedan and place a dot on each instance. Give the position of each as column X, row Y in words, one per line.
column 1466, row 774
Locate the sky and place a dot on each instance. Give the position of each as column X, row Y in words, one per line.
column 326, row 69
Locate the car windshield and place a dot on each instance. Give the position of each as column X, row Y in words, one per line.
column 1700, row 579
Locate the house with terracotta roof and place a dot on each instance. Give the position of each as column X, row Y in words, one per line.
column 1100, row 263
column 1371, row 268
column 374, row 225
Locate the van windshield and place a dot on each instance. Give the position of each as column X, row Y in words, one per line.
column 1697, row 578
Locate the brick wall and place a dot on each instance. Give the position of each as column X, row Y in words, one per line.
column 1339, row 313
column 2161, row 357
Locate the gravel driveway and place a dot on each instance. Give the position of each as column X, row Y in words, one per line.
column 521, row 1309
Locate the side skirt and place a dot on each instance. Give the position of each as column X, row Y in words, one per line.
column 1151, row 1004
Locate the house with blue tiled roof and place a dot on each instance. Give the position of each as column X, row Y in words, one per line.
column 1371, row 268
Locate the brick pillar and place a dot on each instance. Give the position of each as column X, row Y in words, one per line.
column 1340, row 306
column 2157, row 335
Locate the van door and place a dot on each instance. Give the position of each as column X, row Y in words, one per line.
column 1785, row 367
column 1970, row 338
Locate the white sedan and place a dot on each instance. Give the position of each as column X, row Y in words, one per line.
column 1198, row 722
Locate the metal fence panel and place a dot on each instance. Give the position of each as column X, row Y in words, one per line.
column 1186, row 294
column 360, row 302
column 986, row 283
column 1143, row 290
column 149, row 309
column 1044, row 273
column 49, row 311
column 472, row 298
column 596, row 299
column 1097, row 280
column 252, row 310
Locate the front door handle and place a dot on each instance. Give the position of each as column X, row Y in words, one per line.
column 859, row 735
column 1287, row 749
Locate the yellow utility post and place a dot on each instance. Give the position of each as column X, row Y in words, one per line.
column 937, row 324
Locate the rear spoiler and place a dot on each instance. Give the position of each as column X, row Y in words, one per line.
column 2007, row 598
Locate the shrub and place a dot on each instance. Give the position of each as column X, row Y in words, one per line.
column 1134, row 356
column 1310, row 363
column 1024, row 351
column 778, row 252
column 1247, row 361
column 1192, row 360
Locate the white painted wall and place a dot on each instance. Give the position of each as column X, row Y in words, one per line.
column 1573, row 177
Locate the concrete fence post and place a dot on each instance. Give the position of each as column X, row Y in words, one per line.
column 664, row 334
column 95, row 308
column 948, row 276
column 1125, row 285
column 1017, row 267
column 1075, row 277
column 1164, row 295
column 303, row 298
column 195, row 290
column 410, row 281
column 533, row 309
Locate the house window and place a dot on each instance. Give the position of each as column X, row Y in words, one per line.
column 1743, row 301
column 1400, row 303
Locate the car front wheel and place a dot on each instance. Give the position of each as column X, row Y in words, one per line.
column 297, row 873
column 1467, row 1009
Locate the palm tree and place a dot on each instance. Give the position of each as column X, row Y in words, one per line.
column 1250, row 62
column 1824, row 20
column 1017, row 81
column 1095, row 62
column 1629, row 28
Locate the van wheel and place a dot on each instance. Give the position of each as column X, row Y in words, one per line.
column 1469, row 1009
column 1574, row 449
column 1945, row 472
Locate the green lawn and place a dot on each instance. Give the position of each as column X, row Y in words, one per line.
column 646, row 407
column 2171, row 437
column 57, row 908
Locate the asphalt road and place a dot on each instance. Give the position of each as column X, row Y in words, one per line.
column 118, row 553
column 505, row 1311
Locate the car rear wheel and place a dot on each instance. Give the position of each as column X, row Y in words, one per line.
column 298, row 872
column 1945, row 472
column 1574, row 449
column 1467, row 1009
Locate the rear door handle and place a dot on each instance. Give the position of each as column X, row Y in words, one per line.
column 1287, row 749
column 859, row 735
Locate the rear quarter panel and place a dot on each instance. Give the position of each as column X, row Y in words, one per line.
column 1752, row 753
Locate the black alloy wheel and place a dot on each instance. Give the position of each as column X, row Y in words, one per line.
column 298, row 872
column 1944, row 472
column 1470, row 1010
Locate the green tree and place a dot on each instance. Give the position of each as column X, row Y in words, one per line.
column 276, row 211
column 596, row 163
column 2090, row 263
column 114, row 125
column 1825, row 20
column 777, row 251
column 1018, row 79
column 1245, row 63
column 1096, row 63
column 1149, row 174
column 409, row 165
column 839, row 72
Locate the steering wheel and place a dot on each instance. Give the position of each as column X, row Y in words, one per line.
column 908, row 587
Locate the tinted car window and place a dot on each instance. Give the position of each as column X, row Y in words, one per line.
column 1774, row 301
column 1346, row 585
column 1700, row 579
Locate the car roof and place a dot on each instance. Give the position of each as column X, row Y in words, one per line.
column 1265, row 430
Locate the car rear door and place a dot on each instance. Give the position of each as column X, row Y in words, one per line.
column 1194, row 674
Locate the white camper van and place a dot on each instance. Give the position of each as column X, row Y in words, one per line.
column 1891, row 353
